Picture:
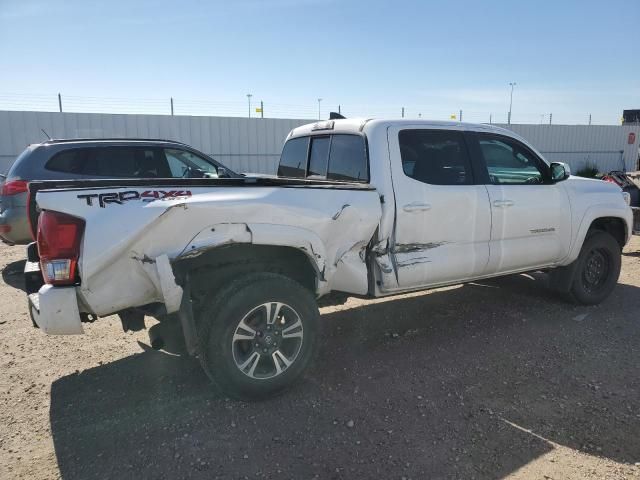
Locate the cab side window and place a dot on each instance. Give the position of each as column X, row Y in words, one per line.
column 436, row 157
column 510, row 163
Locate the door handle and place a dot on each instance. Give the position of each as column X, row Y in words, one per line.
column 416, row 207
column 503, row 203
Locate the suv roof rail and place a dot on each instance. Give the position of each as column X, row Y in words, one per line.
column 110, row 139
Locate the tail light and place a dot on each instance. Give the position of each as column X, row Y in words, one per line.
column 59, row 237
column 13, row 187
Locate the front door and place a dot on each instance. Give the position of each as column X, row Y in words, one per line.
column 531, row 225
column 443, row 220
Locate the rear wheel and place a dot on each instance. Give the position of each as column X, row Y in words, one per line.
column 258, row 335
column 597, row 269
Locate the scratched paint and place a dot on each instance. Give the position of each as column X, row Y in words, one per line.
column 417, row 247
column 413, row 262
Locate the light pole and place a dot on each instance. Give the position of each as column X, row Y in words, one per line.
column 513, row 84
column 319, row 100
column 249, row 98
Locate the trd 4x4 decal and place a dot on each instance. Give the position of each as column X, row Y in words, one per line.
column 121, row 197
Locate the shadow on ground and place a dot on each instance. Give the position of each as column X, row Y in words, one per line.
column 13, row 274
column 438, row 385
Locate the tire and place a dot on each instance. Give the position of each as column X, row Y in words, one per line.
column 597, row 269
column 258, row 335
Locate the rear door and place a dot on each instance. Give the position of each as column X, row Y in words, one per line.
column 531, row 224
column 443, row 219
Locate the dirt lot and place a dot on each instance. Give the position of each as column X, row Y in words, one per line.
column 493, row 380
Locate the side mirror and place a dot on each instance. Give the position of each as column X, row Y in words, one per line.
column 223, row 173
column 560, row 171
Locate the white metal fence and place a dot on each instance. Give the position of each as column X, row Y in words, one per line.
column 254, row 144
column 603, row 146
column 243, row 144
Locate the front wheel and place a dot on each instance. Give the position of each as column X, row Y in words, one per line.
column 258, row 335
column 597, row 269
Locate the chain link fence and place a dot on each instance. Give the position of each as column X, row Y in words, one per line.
column 253, row 106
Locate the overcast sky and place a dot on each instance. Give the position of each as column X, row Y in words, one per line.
column 569, row 58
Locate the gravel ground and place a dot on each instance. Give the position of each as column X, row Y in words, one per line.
column 499, row 379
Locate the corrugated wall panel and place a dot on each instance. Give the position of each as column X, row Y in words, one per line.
column 254, row 144
column 241, row 143
column 603, row 146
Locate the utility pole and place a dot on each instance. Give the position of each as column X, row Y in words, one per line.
column 339, row 111
column 402, row 112
column 550, row 117
column 172, row 106
column 490, row 119
column 249, row 98
column 460, row 115
column 261, row 109
column 589, row 119
column 319, row 116
column 513, row 84
column 60, row 102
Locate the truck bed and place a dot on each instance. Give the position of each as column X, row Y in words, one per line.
column 36, row 186
column 132, row 222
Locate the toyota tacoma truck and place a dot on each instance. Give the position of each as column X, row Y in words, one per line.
column 366, row 207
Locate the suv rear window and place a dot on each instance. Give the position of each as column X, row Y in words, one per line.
column 112, row 162
column 335, row 157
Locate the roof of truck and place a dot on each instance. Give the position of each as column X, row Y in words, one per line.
column 357, row 125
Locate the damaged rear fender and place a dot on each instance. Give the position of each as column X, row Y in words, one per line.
column 274, row 235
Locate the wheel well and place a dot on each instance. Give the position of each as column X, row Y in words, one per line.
column 612, row 225
column 215, row 268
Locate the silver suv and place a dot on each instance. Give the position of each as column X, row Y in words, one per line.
column 97, row 159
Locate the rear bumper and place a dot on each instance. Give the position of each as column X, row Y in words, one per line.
column 55, row 310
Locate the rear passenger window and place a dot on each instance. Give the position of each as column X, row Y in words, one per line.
column 71, row 161
column 348, row 158
column 318, row 156
column 111, row 162
column 436, row 157
column 293, row 160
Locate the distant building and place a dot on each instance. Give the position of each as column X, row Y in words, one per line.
column 631, row 116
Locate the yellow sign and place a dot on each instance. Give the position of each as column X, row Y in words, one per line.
column 258, row 110
column 453, row 117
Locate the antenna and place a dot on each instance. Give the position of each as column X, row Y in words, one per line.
column 46, row 134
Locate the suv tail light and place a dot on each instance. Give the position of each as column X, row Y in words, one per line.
column 13, row 187
column 59, row 237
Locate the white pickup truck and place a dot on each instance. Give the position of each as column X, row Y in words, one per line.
column 366, row 207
